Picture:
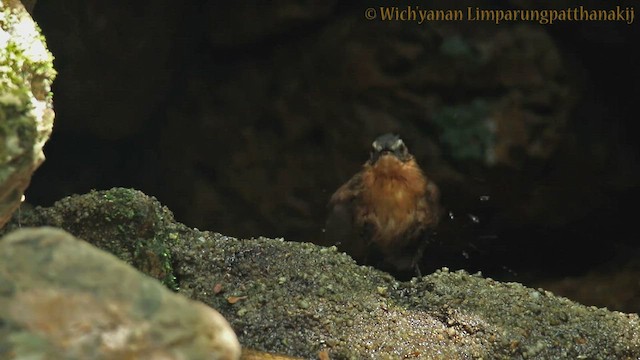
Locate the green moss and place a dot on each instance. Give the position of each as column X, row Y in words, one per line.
column 26, row 72
column 152, row 256
column 456, row 46
column 25, row 56
column 466, row 131
column 118, row 200
column 123, row 221
column 17, row 136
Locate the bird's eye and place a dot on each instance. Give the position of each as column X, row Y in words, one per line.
column 398, row 145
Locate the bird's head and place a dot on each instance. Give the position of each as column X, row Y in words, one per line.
column 389, row 145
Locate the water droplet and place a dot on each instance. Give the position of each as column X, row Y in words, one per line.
column 474, row 218
column 485, row 198
column 465, row 254
column 509, row 270
column 451, row 216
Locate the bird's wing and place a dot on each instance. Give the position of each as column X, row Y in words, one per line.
column 432, row 197
column 341, row 228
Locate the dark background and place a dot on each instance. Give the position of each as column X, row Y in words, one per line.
column 244, row 119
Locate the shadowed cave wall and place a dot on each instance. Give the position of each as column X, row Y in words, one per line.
column 244, row 119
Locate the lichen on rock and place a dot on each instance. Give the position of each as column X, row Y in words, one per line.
column 26, row 114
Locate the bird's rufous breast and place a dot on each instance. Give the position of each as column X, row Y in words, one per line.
column 391, row 193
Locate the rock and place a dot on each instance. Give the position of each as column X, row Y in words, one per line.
column 300, row 299
column 602, row 287
column 140, row 228
column 26, row 114
column 62, row 298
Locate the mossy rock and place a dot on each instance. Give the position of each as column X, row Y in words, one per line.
column 26, row 101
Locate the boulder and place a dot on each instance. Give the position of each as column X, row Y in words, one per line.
column 63, row 298
column 26, row 114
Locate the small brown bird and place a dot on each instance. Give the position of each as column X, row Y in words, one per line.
column 384, row 214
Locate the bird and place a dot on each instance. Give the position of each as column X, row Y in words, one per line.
column 386, row 213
